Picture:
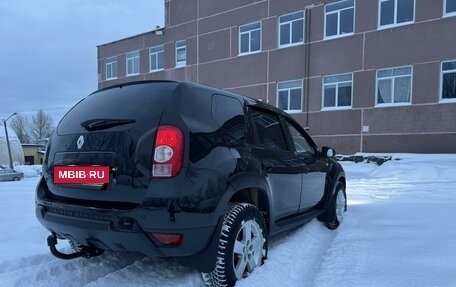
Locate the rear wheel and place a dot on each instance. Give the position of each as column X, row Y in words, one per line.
column 338, row 207
column 242, row 245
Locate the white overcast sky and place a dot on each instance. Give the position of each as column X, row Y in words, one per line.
column 48, row 55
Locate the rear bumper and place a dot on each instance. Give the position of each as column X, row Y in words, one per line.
column 107, row 234
column 127, row 230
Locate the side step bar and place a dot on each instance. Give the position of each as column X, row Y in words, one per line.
column 86, row 251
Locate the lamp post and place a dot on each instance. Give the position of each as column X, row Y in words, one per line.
column 7, row 141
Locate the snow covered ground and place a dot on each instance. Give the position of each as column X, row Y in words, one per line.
column 399, row 231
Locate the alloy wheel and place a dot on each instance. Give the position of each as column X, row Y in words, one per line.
column 248, row 248
column 340, row 205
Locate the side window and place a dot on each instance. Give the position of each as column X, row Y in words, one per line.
column 301, row 145
column 449, row 8
column 395, row 12
column 228, row 113
column 339, row 18
column 270, row 134
column 132, row 63
column 250, row 38
column 181, row 53
column 111, row 68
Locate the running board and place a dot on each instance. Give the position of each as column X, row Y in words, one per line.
column 86, row 251
column 298, row 219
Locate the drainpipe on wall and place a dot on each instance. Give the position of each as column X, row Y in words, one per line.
column 198, row 40
column 306, row 64
column 362, row 132
column 167, row 12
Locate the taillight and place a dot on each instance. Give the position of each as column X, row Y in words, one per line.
column 168, row 238
column 168, row 152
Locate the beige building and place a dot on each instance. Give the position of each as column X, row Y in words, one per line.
column 33, row 153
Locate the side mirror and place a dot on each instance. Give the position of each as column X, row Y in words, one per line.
column 328, row 152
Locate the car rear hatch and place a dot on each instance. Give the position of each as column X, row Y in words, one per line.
column 112, row 128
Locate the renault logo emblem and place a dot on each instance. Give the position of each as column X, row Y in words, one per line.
column 80, row 142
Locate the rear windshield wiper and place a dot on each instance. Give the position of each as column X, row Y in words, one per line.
column 101, row 124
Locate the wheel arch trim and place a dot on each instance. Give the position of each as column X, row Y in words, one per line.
column 243, row 182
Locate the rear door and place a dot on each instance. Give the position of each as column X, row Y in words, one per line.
column 281, row 167
column 112, row 128
column 314, row 167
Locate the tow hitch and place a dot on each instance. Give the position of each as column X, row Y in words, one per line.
column 86, row 251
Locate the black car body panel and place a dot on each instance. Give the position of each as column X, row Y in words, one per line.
column 224, row 160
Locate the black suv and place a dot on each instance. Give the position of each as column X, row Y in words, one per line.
column 179, row 169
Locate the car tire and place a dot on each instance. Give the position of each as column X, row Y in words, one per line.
column 242, row 246
column 16, row 179
column 337, row 207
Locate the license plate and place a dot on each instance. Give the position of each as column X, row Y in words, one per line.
column 81, row 174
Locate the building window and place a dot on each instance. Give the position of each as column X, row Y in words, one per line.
column 181, row 53
column 291, row 29
column 289, row 96
column 111, row 68
column 394, row 86
column 156, row 56
column 448, row 77
column 449, row 7
column 250, row 38
column 339, row 19
column 133, row 63
column 395, row 12
column 337, row 91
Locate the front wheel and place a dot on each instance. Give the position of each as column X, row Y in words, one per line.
column 338, row 207
column 242, row 245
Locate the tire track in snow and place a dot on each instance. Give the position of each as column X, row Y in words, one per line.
column 382, row 235
column 163, row 272
column 346, row 256
column 24, row 262
column 295, row 257
column 72, row 273
column 336, row 261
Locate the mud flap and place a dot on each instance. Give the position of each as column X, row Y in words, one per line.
column 205, row 261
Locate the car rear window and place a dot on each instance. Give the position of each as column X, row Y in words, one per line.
column 137, row 102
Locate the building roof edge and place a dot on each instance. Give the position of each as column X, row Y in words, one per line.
column 130, row 37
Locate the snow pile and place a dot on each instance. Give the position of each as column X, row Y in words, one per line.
column 29, row 170
column 419, row 167
column 398, row 231
column 413, row 167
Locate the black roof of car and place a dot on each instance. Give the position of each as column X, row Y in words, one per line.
column 249, row 101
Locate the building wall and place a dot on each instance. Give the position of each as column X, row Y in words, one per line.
column 211, row 29
column 34, row 151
